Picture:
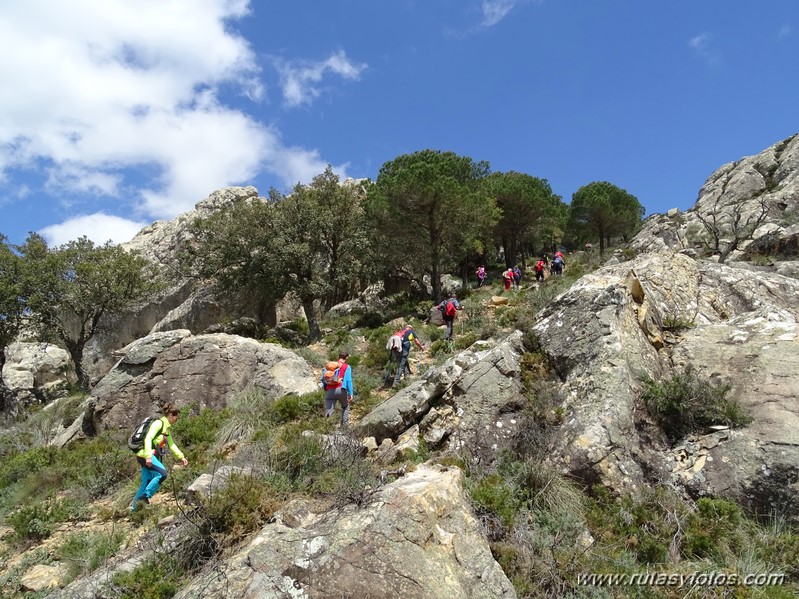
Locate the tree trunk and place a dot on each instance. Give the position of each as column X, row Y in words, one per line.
column 75, row 349
column 313, row 324
column 267, row 313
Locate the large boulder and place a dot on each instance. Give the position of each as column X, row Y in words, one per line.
column 205, row 370
column 36, row 372
column 415, row 538
column 601, row 336
column 187, row 304
column 616, row 326
column 472, row 400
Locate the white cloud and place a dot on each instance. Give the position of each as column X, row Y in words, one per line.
column 95, row 93
column 496, row 10
column 703, row 46
column 300, row 79
column 98, row 227
column 784, row 32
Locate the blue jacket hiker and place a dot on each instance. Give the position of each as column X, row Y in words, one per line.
column 153, row 471
column 336, row 380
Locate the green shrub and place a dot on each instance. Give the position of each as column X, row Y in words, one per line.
column 298, row 325
column 239, row 507
column 713, row 530
column 441, row 347
column 493, row 496
column 84, row 552
column 674, row 322
column 686, row 403
column 294, row 407
column 157, row 578
column 376, row 353
column 22, row 464
column 465, row 341
column 32, row 522
column 196, row 432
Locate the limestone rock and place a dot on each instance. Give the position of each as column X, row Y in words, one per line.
column 738, row 187
column 205, row 485
column 470, row 390
column 42, row 578
column 416, row 538
column 613, row 327
column 206, row 370
column 34, row 366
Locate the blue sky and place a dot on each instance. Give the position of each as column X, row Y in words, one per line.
column 118, row 113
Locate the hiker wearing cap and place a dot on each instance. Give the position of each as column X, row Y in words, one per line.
column 408, row 337
column 449, row 308
column 153, row 471
column 338, row 388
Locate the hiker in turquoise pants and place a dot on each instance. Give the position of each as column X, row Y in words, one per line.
column 153, row 472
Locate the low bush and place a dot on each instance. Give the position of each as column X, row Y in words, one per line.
column 84, row 552
column 686, row 403
column 157, row 578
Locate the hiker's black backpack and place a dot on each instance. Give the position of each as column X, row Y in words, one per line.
column 136, row 440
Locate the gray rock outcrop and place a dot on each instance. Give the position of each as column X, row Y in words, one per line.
column 37, row 371
column 415, row 538
column 614, row 327
column 472, row 401
column 738, row 190
column 205, row 370
column 187, row 304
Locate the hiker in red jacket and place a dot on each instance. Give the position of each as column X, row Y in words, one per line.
column 539, row 269
column 507, row 278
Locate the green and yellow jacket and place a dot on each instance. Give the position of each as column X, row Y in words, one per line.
column 158, row 435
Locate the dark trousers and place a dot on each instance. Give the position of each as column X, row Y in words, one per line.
column 402, row 368
column 449, row 321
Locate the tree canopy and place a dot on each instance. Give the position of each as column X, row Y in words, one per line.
column 68, row 290
column 531, row 214
column 310, row 242
column 429, row 212
column 604, row 210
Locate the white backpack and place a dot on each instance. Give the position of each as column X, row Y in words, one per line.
column 394, row 343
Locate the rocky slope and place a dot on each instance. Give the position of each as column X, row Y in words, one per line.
column 671, row 306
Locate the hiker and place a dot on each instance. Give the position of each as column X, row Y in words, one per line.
column 558, row 264
column 338, row 387
column 408, row 336
column 539, row 268
column 507, row 279
column 481, row 276
column 449, row 308
column 588, row 248
column 394, row 347
column 153, row 471
column 517, row 276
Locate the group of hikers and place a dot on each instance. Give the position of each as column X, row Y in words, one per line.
column 513, row 275
column 154, row 434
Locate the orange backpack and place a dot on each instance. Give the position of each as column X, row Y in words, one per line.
column 333, row 375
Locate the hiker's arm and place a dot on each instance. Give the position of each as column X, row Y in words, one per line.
column 347, row 382
column 175, row 449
